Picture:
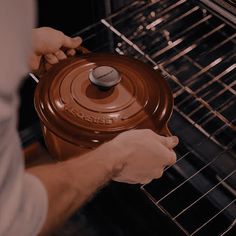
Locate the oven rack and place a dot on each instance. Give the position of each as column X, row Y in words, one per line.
column 195, row 51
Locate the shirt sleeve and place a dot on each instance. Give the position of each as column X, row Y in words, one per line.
column 23, row 198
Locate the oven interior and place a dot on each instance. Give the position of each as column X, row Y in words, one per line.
column 193, row 44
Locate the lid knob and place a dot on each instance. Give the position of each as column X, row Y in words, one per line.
column 105, row 77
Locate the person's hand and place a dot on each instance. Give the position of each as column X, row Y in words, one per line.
column 53, row 44
column 142, row 155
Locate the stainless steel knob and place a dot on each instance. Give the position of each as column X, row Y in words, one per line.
column 105, row 77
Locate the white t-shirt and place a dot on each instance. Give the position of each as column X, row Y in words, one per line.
column 23, row 198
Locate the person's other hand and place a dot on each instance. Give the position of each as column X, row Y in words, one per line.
column 49, row 43
column 143, row 155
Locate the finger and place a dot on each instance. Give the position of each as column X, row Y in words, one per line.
column 157, row 173
column 132, row 181
column 147, row 181
column 169, row 142
column 50, row 58
column 125, row 180
column 71, row 52
column 60, row 55
column 34, row 62
column 171, row 158
column 69, row 42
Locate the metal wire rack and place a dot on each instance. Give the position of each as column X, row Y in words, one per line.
column 196, row 52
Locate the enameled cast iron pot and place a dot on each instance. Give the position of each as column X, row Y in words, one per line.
column 85, row 101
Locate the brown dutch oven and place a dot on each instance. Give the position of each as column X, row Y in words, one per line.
column 85, row 101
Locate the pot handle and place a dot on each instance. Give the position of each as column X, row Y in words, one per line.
column 165, row 131
column 82, row 50
column 36, row 74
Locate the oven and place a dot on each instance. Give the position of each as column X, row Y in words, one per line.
column 193, row 44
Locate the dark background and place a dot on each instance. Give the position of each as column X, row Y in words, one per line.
column 69, row 16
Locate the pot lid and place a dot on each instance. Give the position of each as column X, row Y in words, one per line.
column 94, row 97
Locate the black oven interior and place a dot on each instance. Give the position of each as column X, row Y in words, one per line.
column 193, row 44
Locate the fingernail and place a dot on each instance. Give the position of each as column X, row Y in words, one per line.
column 77, row 38
column 175, row 140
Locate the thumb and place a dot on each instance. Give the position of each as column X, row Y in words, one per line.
column 169, row 142
column 34, row 62
column 69, row 42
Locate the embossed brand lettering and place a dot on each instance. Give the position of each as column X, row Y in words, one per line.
column 90, row 119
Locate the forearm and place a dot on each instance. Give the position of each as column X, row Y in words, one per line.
column 71, row 183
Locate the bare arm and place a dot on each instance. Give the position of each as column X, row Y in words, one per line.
column 136, row 156
column 71, row 183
